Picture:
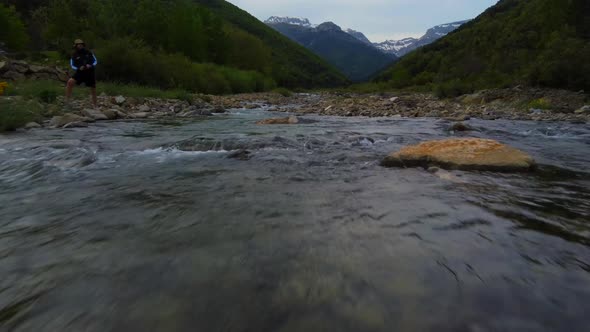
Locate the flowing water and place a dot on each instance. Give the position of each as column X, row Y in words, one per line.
column 157, row 226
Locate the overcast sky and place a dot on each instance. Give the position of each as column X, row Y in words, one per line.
column 378, row 19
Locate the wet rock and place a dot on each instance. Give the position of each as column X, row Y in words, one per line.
column 464, row 153
column 459, row 118
column 121, row 114
column 110, row 114
column 241, row 155
column 60, row 121
column 218, row 110
column 289, row 120
column 32, row 125
column 139, row 115
column 94, row 114
column 76, row 124
column 583, row 110
column 460, row 126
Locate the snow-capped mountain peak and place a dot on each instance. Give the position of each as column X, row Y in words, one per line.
column 289, row 20
column 406, row 45
column 358, row 35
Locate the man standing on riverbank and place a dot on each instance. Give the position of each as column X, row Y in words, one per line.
column 83, row 62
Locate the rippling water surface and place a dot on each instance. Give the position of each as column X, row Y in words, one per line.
column 152, row 226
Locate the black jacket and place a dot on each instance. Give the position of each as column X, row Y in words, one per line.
column 82, row 58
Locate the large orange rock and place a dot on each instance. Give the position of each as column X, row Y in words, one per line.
column 289, row 120
column 462, row 153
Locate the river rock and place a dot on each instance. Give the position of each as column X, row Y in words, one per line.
column 121, row 114
column 139, row 115
column 110, row 114
column 240, row 155
column 289, row 120
column 460, row 126
column 60, row 121
column 76, row 124
column 583, row 110
column 462, row 153
column 32, row 125
column 144, row 108
column 119, row 100
column 218, row 110
column 94, row 114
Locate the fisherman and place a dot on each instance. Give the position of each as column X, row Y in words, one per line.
column 83, row 62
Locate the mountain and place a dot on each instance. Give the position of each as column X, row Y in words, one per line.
column 407, row 45
column 529, row 42
column 289, row 20
column 293, row 65
column 204, row 32
column 398, row 47
column 359, row 35
column 356, row 59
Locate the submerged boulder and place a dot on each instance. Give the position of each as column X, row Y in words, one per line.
column 289, row 120
column 460, row 126
column 462, row 153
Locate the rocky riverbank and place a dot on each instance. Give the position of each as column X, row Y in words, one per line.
column 513, row 104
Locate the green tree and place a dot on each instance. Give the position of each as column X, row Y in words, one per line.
column 12, row 30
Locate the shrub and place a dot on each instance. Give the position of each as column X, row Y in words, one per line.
column 16, row 113
column 540, row 103
column 451, row 89
column 45, row 91
column 48, row 96
column 130, row 61
column 283, row 92
column 12, row 29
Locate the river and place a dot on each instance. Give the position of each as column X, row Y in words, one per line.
column 154, row 226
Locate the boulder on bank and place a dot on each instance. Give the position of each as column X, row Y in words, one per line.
column 289, row 120
column 462, row 153
column 60, row 121
column 94, row 114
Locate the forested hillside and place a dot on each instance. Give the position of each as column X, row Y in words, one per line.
column 356, row 59
column 532, row 42
column 209, row 46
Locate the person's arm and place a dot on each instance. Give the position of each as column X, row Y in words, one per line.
column 72, row 64
column 94, row 61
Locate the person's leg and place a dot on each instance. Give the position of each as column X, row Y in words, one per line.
column 93, row 93
column 69, row 87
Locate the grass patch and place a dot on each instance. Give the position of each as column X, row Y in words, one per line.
column 16, row 113
column 283, row 92
column 48, row 91
column 138, row 91
column 541, row 103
